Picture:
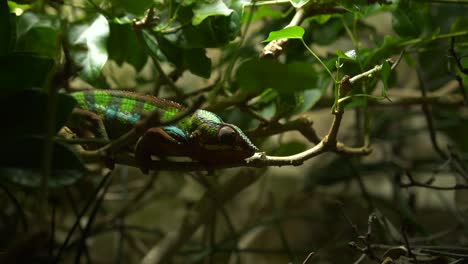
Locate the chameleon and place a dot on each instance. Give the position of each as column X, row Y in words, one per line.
column 201, row 136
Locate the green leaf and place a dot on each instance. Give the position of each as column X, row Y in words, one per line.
column 327, row 30
column 204, row 10
column 371, row 57
column 410, row 19
column 38, row 33
column 320, row 19
column 386, row 71
column 30, row 115
column 214, row 31
column 210, row 32
column 348, row 55
column 197, row 62
column 130, row 50
column 257, row 75
column 358, row 101
column 6, row 29
column 287, row 104
column 460, row 25
column 299, row 3
column 89, row 47
column 19, row 71
column 21, row 163
column 151, row 43
column 262, row 12
column 194, row 60
column 294, row 32
column 18, row 8
column 311, row 97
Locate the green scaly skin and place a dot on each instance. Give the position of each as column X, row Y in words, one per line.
column 202, row 136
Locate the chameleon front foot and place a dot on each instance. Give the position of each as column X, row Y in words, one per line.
column 155, row 141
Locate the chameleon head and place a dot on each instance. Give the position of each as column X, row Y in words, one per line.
column 216, row 141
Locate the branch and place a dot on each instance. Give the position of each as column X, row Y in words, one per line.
column 428, row 184
column 328, row 144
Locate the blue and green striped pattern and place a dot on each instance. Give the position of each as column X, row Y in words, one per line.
column 120, row 110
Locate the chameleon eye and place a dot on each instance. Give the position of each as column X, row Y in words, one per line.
column 227, row 135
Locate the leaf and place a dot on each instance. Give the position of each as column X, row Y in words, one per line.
column 371, row 57
column 30, row 115
column 262, row 12
column 410, row 19
column 311, row 97
column 21, row 163
column 15, row 67
column 287, row 104
column 320, row 19
column 327, row 31
column 348, row 55
column 299, row 3
column 130, row 50
column 6, row 29
column 197, row 62
column 257, row 75
column 294, row 32
column 358, row 101
column 151, row 43
column 210, row 32
column 90, row 47
column 204, row 10
column 460, row 25
column 38, row 34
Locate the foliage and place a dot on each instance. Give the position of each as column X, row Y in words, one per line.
column 308, row 47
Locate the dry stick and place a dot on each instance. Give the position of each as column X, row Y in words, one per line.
column 414, row 183
column 308, row 257
column 407, row 244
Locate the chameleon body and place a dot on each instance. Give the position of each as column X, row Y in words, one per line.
column 201, row 136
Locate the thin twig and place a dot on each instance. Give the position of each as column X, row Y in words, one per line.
column 92, row 216
column 428, row 115
column 79, row 217
column 308, row 257
column 407, row 244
